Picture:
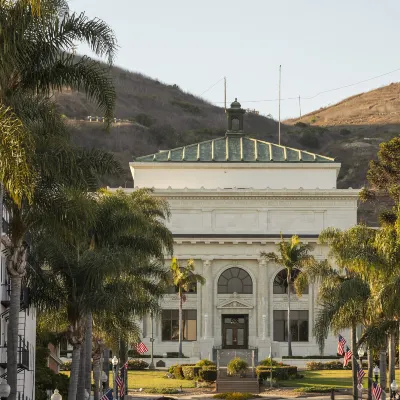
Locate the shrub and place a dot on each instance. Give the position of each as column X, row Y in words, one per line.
column 188, row 107
column 237, row 366
column 208, row 374
column 162, row 390
column 309, row 139
column 188, row 372
column 314, row 365
column 178, row 372
column 235, row 396
column 172, row 368
column 309, row 357
column 314, row 389
column 345, row 132
column 301, row 124
column 333, row 365
column 204, row 362
column 267, row 363
column 135, row 365
column 280, row 373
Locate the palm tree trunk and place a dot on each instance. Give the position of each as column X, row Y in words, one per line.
column 289, row 339
column 106, row 365
column 392, row 358
column 382, row 367
column 354, row 360
column 370, row 372
column 12, row 335
column 88, row 353
column 180, row 322
column 73, row 380
column 123, row 355
column 82, row 371
column 97, row 373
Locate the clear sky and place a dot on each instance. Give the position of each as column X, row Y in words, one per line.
column 320, row 44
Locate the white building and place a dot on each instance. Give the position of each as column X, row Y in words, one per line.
column 230, row 199
column 26, row 328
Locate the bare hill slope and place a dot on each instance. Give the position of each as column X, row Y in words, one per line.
column 157, row 116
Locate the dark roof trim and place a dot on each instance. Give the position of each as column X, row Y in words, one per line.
column 243, row 235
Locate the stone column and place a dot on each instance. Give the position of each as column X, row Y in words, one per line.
column 207, row 299
column 262, row 298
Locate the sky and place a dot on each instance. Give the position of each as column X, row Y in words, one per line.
column 321, row 45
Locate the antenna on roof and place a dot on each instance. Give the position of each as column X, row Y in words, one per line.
column 225, row 92
column 279, row 107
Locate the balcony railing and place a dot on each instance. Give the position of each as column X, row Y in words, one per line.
column 22, row 357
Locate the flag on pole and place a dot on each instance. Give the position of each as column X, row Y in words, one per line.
column 340, row 346
column 141, row 348
column 107, row 395
column 120, row 384
column 360, row 373
column 125, row 366
column 347, row 356
column 376, row 391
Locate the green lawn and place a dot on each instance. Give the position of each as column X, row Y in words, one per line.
column 335, row 378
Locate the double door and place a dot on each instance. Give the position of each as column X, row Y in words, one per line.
column 235, row 331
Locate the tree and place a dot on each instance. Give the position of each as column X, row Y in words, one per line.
column 292, row 255
column 115, row 267
column 183, row 279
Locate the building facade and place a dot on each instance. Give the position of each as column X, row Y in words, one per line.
column 26, row 327
column 232, row 198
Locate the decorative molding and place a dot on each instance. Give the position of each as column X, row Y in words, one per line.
column 235, row 303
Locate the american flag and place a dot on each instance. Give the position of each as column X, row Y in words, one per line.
column 121, row 387
column 340, row 346
column 141, row 348
column 360, row 373
column 125, row 366
column 107, row 395
column 376, row 391
column 347, row 356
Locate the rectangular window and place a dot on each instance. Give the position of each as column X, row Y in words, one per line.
column 298, row 325
column 170, row 325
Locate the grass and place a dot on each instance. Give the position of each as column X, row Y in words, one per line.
column 340, row 379
column 153, row 380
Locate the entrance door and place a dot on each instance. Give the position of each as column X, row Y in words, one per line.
column 234, row 331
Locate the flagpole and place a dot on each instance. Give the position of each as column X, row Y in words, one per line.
column 151, row 366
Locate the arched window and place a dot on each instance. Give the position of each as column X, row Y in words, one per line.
column 280, row 282
column 235, row 280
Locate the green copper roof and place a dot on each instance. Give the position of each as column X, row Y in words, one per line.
column 233, row 148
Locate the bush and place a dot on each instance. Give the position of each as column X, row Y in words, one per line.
column 333, row 365
column 172, row 368
column 162, row 390
column 237, row 366
column 314, row 366
column 309, row 357
column 135, row 365
column 208, row 374
column 314, row 389
column 280, row 373
column 345, row 132
column 267, row 362
column 235, row 396
column 309, row 139
column 301, row 124
column 188, row 107
column 178, row 372
column 204, row 362
column 188, row 372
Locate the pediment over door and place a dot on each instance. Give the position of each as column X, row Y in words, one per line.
column 234, row 304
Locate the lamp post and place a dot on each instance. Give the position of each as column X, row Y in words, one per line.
column 360, row 388
column 115, row 363
column 393, row 386
column 56, row 395
column 151, row 366
column 376, row 372
column 5, row 389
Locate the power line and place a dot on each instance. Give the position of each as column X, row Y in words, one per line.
column 216, row 83
column 316, row 95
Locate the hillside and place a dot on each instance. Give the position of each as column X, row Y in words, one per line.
column 156, row 116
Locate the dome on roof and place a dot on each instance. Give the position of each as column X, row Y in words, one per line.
column 236, row 104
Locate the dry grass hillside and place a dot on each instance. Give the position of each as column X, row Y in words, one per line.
column 159, row 116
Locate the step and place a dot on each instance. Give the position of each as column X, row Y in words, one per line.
column 245, row 385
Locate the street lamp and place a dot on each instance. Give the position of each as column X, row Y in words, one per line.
column 394, row 386
column 360, row 388
column 5, row 390
column 376, row 372
column 115, row 363
column 56, row 395
column 86, row 394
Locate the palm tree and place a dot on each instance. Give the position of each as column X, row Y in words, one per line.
column 183, row 279
column 292, row 255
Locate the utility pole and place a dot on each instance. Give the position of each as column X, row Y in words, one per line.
column 300, row 106
column 225, row 92
column 279, row 107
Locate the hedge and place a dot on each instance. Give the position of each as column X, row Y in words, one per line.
column 267, row 363
column 332, row 365
column 310, row 357
column 280, row 373
column 135, row 365
column 208, row 374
